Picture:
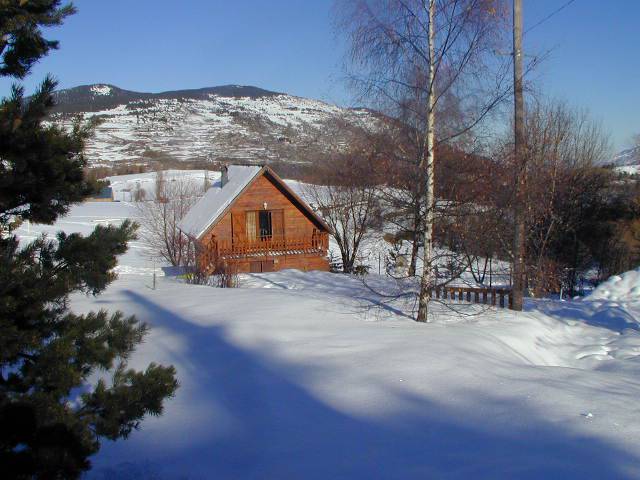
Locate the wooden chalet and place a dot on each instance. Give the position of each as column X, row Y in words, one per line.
column 251, row 221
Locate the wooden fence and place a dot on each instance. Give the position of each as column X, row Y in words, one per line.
column 486, row 296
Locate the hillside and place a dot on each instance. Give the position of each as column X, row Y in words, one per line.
column 628, row 157
column 314, row 375
column 225, row 123
column 627, row 161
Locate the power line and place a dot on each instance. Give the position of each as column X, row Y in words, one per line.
column 556, row 11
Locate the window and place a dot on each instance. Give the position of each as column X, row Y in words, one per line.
column 265, row 225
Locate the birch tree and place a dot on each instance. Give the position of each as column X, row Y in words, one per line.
column 415, row 58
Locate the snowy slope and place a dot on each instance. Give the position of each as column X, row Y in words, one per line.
column 124, row 187
column 625, row 288
column 627, row 161
column 313, row 376
column 628, row 157
column 296, row 376
column 219, row 123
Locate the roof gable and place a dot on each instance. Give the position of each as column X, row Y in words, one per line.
column 210, row 208
column 295, row 199
column 217, row 201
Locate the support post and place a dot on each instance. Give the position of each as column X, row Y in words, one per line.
column 517, row 291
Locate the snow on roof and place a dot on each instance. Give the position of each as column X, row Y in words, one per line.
column 209, row 208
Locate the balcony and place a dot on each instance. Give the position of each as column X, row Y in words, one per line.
column 267, row 247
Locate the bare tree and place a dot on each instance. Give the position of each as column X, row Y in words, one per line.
column 427, row 161
column 198, row 269
column 415, row 57
column 344, row 191
column 159, row 218
column 564, row 150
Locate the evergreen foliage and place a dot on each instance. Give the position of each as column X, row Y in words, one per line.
column 22, row 43
column 51, row 417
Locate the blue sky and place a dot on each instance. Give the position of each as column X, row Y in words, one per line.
column 290, row 46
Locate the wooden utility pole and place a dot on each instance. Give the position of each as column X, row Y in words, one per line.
column 518, row 265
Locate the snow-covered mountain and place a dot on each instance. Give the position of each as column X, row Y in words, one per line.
column 628, row 160
column 225, row 123
column 628, row 157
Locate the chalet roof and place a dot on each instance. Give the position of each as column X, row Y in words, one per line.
column 215, row 201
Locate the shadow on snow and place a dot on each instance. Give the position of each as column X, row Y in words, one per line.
column 603, row 314
column 282, row 431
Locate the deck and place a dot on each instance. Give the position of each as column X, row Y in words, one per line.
column 234, row 250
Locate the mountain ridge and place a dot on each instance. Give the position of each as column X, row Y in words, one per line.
column 227, row 123
column 92, row 97
column 627, row 157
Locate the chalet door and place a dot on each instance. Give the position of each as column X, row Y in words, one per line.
column 255, row 267
column 264, row 225
column 268, row 266
column 261, row 266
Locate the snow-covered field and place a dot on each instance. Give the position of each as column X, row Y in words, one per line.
column 124, row 187
column 629, row 169
column 313, row 376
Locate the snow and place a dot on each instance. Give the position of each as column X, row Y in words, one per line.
column 628, row 157
column 125, row 186
column 207, row 210
column 627, row 161
column 242, row 128
column 101, row 89
column 625, row 287
column 295, row 376
column 314, row 376
column 629, row 169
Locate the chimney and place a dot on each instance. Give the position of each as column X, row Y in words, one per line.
column 225, row 176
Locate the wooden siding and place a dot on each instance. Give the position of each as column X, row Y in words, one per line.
column 277, row 224
column 300, row 262
column 296, row 223
column 287, row 218
column 238, row 224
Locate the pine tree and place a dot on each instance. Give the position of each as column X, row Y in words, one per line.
column 51, row 419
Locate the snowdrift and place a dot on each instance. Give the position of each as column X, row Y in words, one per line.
column 314, row 376
column 619, row 288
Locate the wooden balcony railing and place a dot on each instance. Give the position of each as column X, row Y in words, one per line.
column 233, row 249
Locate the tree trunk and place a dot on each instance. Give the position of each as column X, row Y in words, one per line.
column 427, row 258
column 347, row 261
column 416, row 242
